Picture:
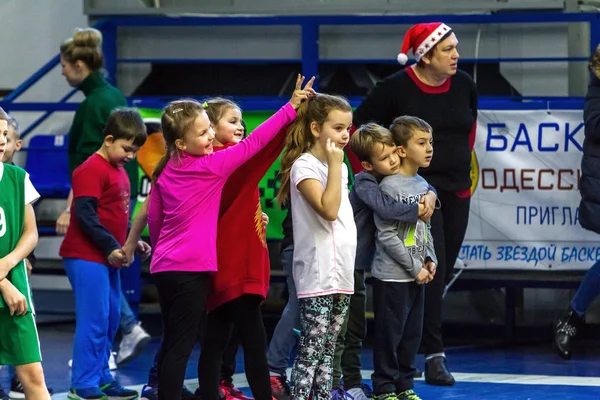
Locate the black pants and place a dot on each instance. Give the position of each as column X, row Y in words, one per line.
column 398, row 308
column 182, row 297
column 228, row 366
column 243, row 314
column 227, row 369
column 448, row 228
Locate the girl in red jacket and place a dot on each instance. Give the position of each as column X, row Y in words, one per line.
column 242, row 281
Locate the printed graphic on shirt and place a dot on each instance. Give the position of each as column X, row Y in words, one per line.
column 415, row 237
column 2, row 222
column 126, row 202
column 260, row 231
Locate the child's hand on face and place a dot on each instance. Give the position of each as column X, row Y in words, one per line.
column 300, row 94
column 334, row 154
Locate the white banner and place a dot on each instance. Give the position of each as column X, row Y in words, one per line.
column 524, row 209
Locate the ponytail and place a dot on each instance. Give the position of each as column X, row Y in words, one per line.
column 160, row 166
column 298, row 140
column 299, row 137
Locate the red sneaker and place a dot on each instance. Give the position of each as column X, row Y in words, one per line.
column 280, row 388
column 230, row 392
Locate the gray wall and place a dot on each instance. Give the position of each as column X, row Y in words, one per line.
column 355, row 42
column 311, row 7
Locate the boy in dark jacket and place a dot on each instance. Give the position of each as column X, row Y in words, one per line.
column 374, row 147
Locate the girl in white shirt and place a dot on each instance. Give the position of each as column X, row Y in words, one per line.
column 316, row 178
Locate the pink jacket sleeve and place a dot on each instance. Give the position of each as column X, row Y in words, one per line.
column 224, row 163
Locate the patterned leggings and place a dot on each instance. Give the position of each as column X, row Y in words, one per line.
column 321, row 319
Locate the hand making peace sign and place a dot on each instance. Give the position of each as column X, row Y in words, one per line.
column 300, row 94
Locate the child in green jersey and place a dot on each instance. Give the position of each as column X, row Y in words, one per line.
column 19, row 342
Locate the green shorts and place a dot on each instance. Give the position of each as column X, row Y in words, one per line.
column 19, row 341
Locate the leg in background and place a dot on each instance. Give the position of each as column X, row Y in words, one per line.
column 456, row 220
column 588, row 290
column 284, row 339
column 356, row 333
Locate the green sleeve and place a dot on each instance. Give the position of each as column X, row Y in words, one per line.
column 90, row 136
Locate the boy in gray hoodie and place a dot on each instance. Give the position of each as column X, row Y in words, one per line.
column 375, row 148
column 404, row 261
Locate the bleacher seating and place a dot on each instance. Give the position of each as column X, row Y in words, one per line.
column 47, row 165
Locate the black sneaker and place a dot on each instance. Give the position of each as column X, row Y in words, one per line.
column 17, row 391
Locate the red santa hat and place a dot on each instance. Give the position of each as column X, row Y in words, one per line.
column 421, row 38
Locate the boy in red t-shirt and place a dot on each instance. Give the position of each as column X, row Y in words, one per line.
column 92, row 253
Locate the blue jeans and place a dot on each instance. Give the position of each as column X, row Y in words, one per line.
column 588, row 290
column 97, row 290
column 284, row 339
column 127, row 319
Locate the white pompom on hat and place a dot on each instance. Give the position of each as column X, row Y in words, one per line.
column 421, row 38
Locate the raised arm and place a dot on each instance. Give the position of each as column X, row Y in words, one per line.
column 225, row 162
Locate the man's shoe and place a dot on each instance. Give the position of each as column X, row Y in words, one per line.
column 418, row 373
column 564, row 333
column 437, row 373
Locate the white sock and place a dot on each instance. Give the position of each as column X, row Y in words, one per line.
column 275, row 374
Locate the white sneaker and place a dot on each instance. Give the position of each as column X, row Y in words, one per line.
column 112, row 365
column 357, row 394
column 132, row 344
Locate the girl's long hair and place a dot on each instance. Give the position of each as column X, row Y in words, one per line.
column 299, row 138
column 177, row 118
